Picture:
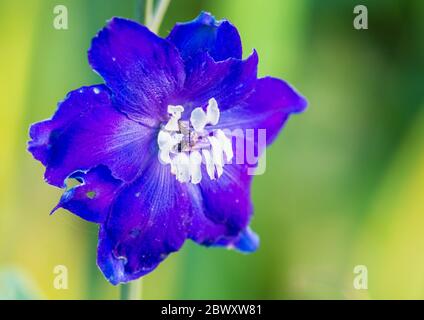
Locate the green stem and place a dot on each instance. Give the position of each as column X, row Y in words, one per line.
column 148, row 13
column 132, row 290
column 159, row 14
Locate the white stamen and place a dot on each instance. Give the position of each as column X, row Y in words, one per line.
column 212, row 112
column 225, row 144
column 210, row 168
column 216, row 151
column 175, row 112
column 195, row 163
column 198, row 119
column 182, row 166
column 194, row 144
column 166, row 142
column 217, row 155
column 219, row 170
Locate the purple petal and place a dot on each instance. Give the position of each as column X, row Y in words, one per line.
column 87, row 131
column 230, row 82
column 246, row 242
column 143, row 71
column 222, row 208
column 148, row 221
column 226, row 201
column 91, row 200
column 204, row 34
column 267, row 108
column 40, row 132
column 202, row 229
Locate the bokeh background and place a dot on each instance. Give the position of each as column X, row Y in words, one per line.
column 344, row 184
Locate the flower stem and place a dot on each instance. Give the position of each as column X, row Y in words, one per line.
column 132, row 290
column 148, row 13
column 158, row 16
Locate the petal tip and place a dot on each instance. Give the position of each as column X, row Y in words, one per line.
column 206, row 18
column 248, row 241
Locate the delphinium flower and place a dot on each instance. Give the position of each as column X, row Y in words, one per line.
column 151, row 146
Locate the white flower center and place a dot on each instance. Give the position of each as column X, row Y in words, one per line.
column 185, row 145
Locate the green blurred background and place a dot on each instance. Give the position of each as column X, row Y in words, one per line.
column 344, row 184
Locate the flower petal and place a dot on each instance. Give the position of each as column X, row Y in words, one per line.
column 202, row 229
column 87, row 131
column 143, row 71
column 91, row 200
column 221, row 208
column 267, row 108
column 148, row 221
column 229, row 82
column 246, row 242
column 40, row 132
column 204, row 34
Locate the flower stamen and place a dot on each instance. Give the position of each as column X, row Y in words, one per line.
column 185, row 145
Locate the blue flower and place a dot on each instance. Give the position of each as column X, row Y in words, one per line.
column 151, row 146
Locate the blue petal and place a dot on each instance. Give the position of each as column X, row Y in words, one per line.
column 230, row 82
column 143, row 71
column 87, row 131
column 203, row 229
column 221, row 208
column 153, row 216
column 268, row 107
column 224, row 207
column 204, row 34
column 92, row 199
column 148, row 221
column 246, row 242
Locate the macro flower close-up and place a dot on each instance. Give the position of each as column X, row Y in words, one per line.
column 211, row 157
column 161, row 150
